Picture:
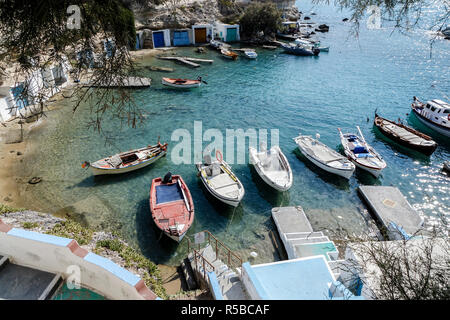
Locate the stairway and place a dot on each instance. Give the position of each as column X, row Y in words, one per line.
column 229, row 281
column 304, row 244
column 23, row 283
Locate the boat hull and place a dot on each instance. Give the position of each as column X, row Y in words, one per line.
column 343, row 173
column 106, row 171
column 373, row 171
column 234, row 202
column 430, row 124
column 181, row 86
column 265, row 178
column 425, row 149
column 172, row 211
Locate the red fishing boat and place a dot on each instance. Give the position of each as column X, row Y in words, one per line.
column 171, row 206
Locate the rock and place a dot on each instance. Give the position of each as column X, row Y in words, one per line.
column 19, row 153
column 306, row 18
column 324, row 26
column 7, row 199
column 34, row 180
column 345, row 20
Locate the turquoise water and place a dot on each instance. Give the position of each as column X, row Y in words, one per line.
column 312, row 95
column 64, row 293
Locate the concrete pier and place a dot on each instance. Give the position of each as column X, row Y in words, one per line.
column 392, row 210
column 128, row 82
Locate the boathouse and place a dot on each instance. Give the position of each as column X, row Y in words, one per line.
column 181, row 37
column 227, row 32
column 161, row 38
column 202, row 33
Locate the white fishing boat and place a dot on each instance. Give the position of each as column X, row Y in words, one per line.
column 182, row 83
column 128, row 161
column 272, row 166
column 220, row 181
column 434, row 114
column 311, row 44
column 250, row 54
column 361, row 154
column 324, row 157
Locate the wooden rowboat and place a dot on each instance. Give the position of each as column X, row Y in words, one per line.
column 405, row 135
column 324, row 157
column 229, row 54
column 272, row 166
column 220, row 181
column 171, row 206
column 182, row 83
column 128, row 161
column 361, row 154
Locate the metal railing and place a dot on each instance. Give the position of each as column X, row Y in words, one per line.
column 219, row 248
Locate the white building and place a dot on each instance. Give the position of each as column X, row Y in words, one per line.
column 227, row 32
column 202, row 33
column 161, row 38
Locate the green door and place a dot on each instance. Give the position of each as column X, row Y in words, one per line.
column 231, row 35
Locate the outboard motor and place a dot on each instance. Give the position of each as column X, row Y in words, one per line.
column 167, row 177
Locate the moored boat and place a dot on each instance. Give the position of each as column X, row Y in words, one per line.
column 228, row 54
column 171, row 206
column 250, row 54
column 128, row 161
column 405, row 135
column 300, row 50
column 182, row 83
column 324, row 157
column 361, row 154
column 272, row 166
column 434, row 114
column 220, row 181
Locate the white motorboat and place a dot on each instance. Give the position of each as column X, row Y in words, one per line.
column 434, row 114
column 311, row 44
column 220, row 181
column 128, row 161
column 324, row 157
column 250, row 54
column 361, row 154
column 272, row 166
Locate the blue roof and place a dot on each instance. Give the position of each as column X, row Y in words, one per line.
column 299, row 279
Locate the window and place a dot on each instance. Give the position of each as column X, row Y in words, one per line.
column 427, row 106
column 433, row 109
column 446, row 111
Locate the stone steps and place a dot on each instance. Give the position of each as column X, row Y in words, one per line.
column 229, row 281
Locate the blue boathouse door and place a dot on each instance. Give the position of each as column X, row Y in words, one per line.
column 181, row 38
column 158, row 39
column 231, row 34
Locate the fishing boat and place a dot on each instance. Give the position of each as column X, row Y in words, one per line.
column 324, row 157
column 219, row 180
column 405, row 135
column 272, row 166
column 299, row 49
column 250, row 54
column 361, row 154
column 434, row 114
column 228, row 54
column 128, row 161
column 218, row 44
column 312, row 43
column 171, row 206
column 182, row 83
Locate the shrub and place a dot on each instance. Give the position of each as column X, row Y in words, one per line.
column 259, row 17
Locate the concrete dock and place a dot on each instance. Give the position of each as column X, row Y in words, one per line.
column 187, row 60
column 392, row 210
column 298, row 237
column 128, row 82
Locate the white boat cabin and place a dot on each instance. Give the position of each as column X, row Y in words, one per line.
column 437, row 111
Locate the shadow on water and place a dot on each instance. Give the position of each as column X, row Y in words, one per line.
column 234, row 215
column 107, row 179
column 153, row 243
column 338, row 181
column 274, row 197
column 394, row 146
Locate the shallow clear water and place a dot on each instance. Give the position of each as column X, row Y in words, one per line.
column 312, row 95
